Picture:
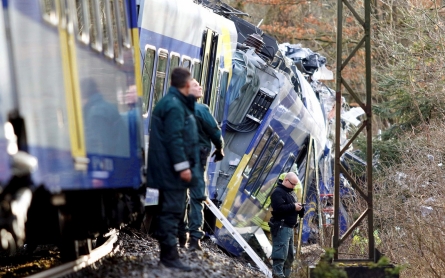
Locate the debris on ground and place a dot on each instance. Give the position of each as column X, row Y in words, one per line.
column 311, row 254
column 137, row 255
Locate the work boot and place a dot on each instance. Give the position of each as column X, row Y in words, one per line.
column 195, row 244
column 183, row 240
column 170, row 258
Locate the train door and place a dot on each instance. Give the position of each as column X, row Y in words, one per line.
column 213, row 70
column 205, row 56
column 210, row 74
column 215, row 75
column 72, row 89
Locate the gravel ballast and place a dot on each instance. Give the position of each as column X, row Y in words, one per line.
column 137, row 255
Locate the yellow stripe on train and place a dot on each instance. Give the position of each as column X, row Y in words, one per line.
column 137, row 61
column 233, row 187
column 72, row 91
column 227, row 48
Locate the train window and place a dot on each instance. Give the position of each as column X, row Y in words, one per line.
column 147, row 76
column 259, row 106
column 263, row 160
column 107, row 30
column 206, row 48
column 186, row 62
column 204, row 72
column 258, row 150
column 290, row 162
column 174, row 63
column 96, row 28
column 212, row 71
column 160, row 75
column 220, row 101
column 287, row 167
column 125, row 31
column 197, row 70
column 301, row 160
column 82, row 28
column 302, row 151
column 215, row 88
column 116, row 29
column 267, row 168
column 49, row 14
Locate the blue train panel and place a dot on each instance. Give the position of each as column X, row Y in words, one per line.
column 194, row 38
column 80, row 103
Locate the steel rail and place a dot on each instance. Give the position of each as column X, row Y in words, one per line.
column 81, row 262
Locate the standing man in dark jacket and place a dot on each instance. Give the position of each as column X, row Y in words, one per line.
column 209, row 132
column 173, row 158
column 284, row 218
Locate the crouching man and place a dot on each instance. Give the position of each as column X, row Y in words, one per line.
column 286, row 208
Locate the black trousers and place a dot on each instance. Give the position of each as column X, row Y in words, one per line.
column 171, row 212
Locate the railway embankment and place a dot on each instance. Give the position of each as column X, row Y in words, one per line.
column 137, row 255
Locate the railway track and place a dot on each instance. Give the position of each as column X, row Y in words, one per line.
column 83, row 261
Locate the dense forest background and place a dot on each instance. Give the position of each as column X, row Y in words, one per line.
column 408, row 59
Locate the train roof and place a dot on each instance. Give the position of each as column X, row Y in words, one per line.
column 193, row 20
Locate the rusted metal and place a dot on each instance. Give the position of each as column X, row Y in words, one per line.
column 366, row 194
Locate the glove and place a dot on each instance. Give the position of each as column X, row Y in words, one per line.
column 301, row 213
column 218, row 154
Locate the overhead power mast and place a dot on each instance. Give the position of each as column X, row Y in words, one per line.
column 341, row 82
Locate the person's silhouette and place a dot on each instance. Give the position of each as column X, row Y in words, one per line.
column 104, row 126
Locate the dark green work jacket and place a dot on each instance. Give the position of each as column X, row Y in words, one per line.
column 208, row 129
column 173, row 144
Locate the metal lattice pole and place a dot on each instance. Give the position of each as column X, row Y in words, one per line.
column 340, row 83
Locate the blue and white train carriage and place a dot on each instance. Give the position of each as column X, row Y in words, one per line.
column 268, row 131
column 272, row 120
column 73, row 75
column 182, row 33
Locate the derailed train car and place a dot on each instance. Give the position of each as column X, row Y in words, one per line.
column 272, row 120
column 72, row 92
column 281, row 135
